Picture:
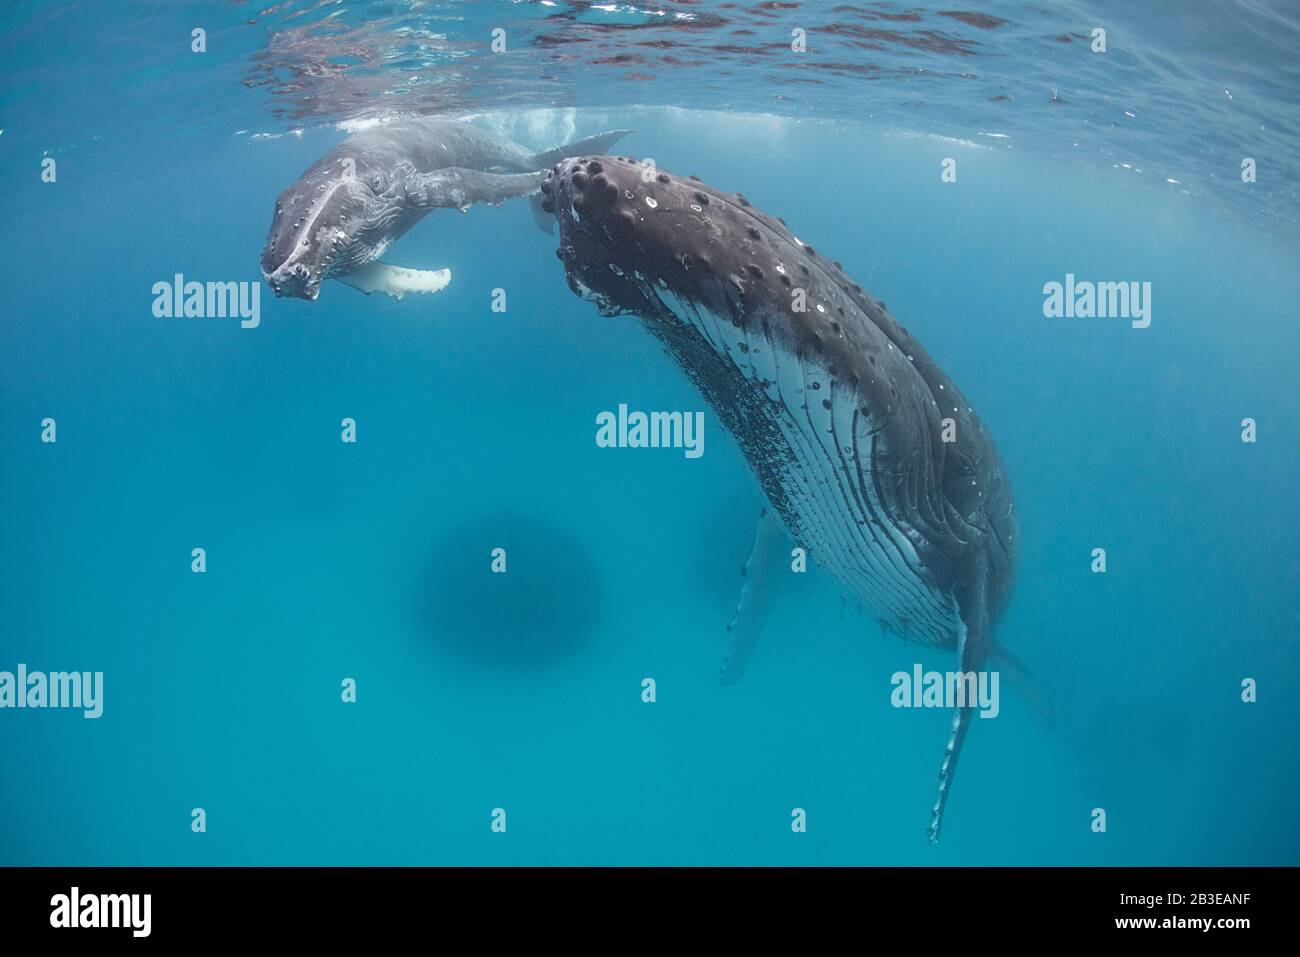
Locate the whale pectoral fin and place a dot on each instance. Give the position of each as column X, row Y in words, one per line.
column 458, row 188
column 1024, row 683
column 973, row 647
column 762, row 575
column 396, row 281
column 960, row 725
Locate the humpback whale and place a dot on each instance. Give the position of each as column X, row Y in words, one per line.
column 344, row 211
column 866, row 452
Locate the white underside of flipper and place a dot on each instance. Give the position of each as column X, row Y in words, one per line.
column 762, row 573
column 396, row 281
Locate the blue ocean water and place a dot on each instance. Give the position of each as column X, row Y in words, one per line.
column 475, row 428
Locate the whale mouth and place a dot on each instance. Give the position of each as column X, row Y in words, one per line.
column 293, row 281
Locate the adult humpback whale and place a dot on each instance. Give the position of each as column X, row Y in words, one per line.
column 839, row 411
column 339, row 217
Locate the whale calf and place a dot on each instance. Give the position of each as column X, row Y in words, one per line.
column 344, row 211
column 866, row 452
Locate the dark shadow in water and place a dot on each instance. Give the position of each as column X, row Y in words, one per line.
column 542, row 610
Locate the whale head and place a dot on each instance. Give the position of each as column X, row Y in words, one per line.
column 318, row 231
column 629, row 232
column 639, row 240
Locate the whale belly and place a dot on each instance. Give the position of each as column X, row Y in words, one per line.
column 818, row 455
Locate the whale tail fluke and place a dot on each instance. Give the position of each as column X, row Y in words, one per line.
column 592, row 145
